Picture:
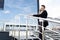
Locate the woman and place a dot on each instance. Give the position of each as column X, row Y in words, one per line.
column 43, row 14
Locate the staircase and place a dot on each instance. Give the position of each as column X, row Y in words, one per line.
column 53, row 35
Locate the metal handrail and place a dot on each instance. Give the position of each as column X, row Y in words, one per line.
column 32, row 17
column 42, row 23
column 48, row 19
column 49, row 37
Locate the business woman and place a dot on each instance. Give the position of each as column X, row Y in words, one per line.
column 43, row 14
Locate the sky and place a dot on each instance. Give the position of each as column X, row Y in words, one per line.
column 13, row 9
column 52, row 7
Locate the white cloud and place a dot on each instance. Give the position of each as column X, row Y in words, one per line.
column 6, row 12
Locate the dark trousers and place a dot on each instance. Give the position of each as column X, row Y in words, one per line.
column 40, row 29
column 45, row 23
column 40, row 35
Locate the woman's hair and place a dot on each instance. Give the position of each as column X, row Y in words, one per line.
column 43, row 6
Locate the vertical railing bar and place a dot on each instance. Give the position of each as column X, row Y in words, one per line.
column 42, row 30
column 27, row 28
column 32, row 38
column 3, row 27
column 14, row 34
column 33, row 27
column 19, row 32
column 12, row 31
column 19, row 29
column 18, row 35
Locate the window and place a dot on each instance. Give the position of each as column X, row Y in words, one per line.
column 7, row 25
column 17, row 25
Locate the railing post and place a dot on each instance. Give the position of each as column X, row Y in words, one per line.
column 26, row 27
column 42, row 30
column 14, row 34
column 19, row 29
column 4, row 27
column 19, row 32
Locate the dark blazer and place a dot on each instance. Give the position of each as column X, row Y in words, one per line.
column 44, row 14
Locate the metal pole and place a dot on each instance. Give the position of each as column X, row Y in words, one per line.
column 19, row 32
column 19, row 28
column 13, row 31
column 14, row 34
column 42, row 30
column 27, row 28
column 18, row 35
column 4, row 27
column 38, row 6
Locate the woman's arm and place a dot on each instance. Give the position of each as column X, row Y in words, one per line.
column 36, row 15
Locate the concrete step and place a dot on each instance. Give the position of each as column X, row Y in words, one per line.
column 5, row 39
column 4, row 35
